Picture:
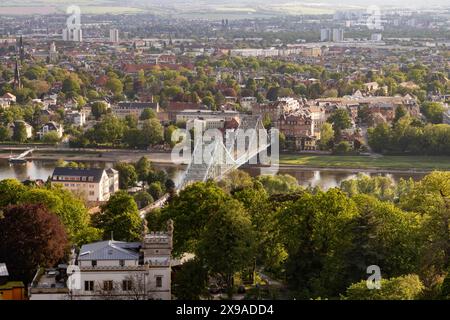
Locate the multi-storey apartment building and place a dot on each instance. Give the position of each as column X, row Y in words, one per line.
column 123, row 109
column 93, row 184
column 298, row 128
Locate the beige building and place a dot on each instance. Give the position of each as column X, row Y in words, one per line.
column 123, row 109
column 93, row 184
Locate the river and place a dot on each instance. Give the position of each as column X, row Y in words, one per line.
column 324, row 178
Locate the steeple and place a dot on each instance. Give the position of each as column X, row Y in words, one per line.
column 21, row 49
column 17, row 82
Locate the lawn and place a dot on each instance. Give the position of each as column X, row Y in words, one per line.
column 368, row 162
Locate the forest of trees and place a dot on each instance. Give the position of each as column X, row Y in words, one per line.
column 319, row 243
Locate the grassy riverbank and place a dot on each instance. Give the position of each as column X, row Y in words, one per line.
column 368, row 162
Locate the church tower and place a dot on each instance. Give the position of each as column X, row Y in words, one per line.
column 17, row 82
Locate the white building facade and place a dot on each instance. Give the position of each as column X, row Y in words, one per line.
column 126, row 270
column 94, row 184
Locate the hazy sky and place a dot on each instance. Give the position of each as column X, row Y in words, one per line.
column 363, row 3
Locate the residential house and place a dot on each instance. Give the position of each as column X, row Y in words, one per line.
column 51, row 126
column 28, row 128
column 7, row 99
column 126, row 270
column 77, row 118
column 93, row 184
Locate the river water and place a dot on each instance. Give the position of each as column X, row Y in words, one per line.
column 42, row 169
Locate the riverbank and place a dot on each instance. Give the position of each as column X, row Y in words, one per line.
column 85, row 155
column 375, row 163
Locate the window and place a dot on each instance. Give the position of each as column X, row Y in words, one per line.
column 159, row 281
column 94, row 263
column 127, row 285
column 89, row 286
column 108, row 285
column 91, row 193
column 122, row 263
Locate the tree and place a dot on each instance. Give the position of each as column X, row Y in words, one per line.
column 190, row 210
column 431, row 198
column 155, row 189
column 236, row 180
column 119, row 218
column 407, row 287
column 152, row 131
column 386, row 236
column 315, row 230
column 326, row 136
column 269, row 250
column 342, row 147
column 68, row 207
column 400, row 112
column 4, row 133
column 109, row 130
column 71, row 84
column 143, row 167
column 168, row 135
column 10, row 192
column 115, row 85
column 134, row 138
column 143, row 199
column 98, row 109
column 379, row 137
column 340, row 119
column 433, row 111
column 280, row 183
column 227, row 245
column 20, row 132
column 381, row 187
column 147, row 113
column 44, row 245
column 51, row 137
column 190, row 282
column 127, row 175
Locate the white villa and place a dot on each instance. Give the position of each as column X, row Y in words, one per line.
column 112, row 270
column 93, row 184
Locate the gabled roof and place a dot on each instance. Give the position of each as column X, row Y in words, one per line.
column 9, row 96
column 110, row 250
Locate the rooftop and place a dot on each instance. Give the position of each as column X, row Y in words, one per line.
column 95, row 173
column 110, row 250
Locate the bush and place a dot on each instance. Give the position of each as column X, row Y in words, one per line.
column 407, row 287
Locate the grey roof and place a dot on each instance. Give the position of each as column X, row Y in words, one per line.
column 110, row 250
column 3, row 270
column 96, row 173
